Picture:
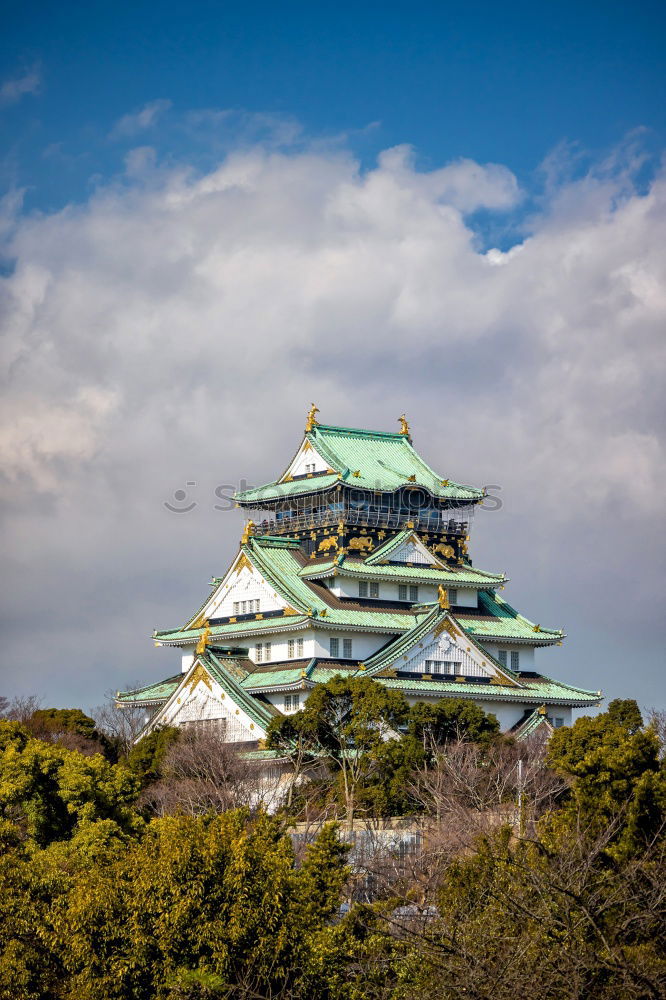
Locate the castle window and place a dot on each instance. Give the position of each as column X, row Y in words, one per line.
column 501, row 656
column 362, row 588
column 206, row 727
column 374, row 589
column 453, row 595
column 236, row 608
column 442, row 667
column 268, row 650
column 259, row 652
column 402, row 592
column 558, row 722
column 299, row 647
column 291, row 701
column 413, row 594
column 291, row 648
column 347, row 649
column 334, row 646
column 515, row 659
column 310, row 467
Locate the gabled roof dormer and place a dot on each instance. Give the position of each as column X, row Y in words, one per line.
column 407, row 548
column 210, row 696
column 438, row 646
column 243, row 582
column 307, row 462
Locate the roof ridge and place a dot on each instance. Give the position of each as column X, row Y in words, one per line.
column 275, row 541
column 357, row 431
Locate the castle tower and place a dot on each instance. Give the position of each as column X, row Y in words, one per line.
column 355, row 561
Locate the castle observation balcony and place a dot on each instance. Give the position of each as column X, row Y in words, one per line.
column 427, row 520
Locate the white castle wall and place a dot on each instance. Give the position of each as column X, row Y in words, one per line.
column 345, row 586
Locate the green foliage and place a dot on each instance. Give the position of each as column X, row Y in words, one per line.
column 47, row 789
column 355, row 725
column 616, row 777
column 146, row 758
column 352, row 714
column 221, row 895
column 514, row 918
column 440, row 722
column 196, row 984
column 63, row 720
column 98, row 904
column 388, row 778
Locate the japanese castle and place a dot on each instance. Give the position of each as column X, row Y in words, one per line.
column 356, row 563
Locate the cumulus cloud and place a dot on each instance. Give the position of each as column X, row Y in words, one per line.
column 12, row 90
column 138, row 121
column 176, row 326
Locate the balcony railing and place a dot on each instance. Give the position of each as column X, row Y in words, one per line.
column 422, row 520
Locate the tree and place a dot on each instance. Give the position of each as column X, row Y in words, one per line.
column 47, row 789
column 295, row 737
column 450, row 720
column 218, row 899
column 121, row 724
column 343, row 720
column 613, row 765
column 202, row 774
column 71, row 728
column 146, row 758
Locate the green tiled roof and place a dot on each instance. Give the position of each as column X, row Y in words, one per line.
column 384, row 461
column 530, row 724
column 278, row 564
column 283, row 674
column 297, row 487
column 276, row 559
column 227, row 674
column 159, row 691
column 229, row 629
column 505, row 622
column 542, row 690
column 450, row 576
column 260, row 712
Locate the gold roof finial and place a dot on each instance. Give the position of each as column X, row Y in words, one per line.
column 311, row 421
column 443, row 598
column 404, row 426
column 247, row 532
column 203, row 639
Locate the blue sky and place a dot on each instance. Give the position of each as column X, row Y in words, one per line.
column 213, row 214
column 500, row 82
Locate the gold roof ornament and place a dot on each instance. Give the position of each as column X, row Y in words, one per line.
column 443, row 598
column 537, row 628
column 311, row 421
column 247, row 532
column 203, row 639
column 404, row 426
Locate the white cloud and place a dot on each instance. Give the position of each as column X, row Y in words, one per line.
column 138, row 121
column 11, row 91
column 177, row 326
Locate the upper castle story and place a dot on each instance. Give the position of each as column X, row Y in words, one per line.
column 346, row 490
